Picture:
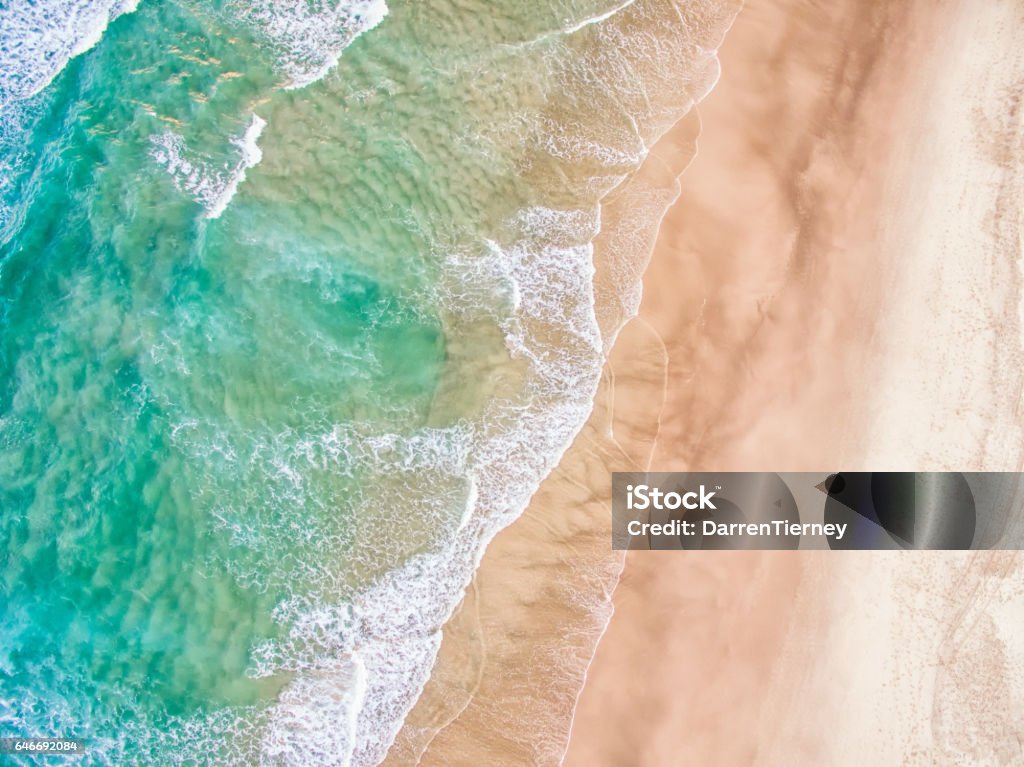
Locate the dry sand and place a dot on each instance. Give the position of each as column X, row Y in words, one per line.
column 850, row 245
column 837, row 287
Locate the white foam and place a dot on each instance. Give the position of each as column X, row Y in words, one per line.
column 37, row 39
column 309, row 38
column 296, row 731
column 250, row 157
column 211, row 186
column 15, row 163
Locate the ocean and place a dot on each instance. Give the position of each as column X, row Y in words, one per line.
column 299, row 304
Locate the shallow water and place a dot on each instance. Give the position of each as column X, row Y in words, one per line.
column 286, row 339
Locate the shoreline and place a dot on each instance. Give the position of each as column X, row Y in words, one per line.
column 445, row 721
column 784, row 240
column 531, row 551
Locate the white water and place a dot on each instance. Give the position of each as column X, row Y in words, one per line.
column 211, row 186
column 308, row 38
column 37, row 39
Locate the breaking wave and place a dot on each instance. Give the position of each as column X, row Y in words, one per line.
column 211, row 185
column 308, row 37
column 38, row 38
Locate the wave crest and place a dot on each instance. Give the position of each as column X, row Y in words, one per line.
column 309, row 37
column 211, row 186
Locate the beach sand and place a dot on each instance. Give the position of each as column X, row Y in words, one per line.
column 855, row 307
column 837, row 286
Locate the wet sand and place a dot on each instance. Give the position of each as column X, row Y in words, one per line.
column 837, row 286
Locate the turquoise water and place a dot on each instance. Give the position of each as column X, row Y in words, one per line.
column 284, row 343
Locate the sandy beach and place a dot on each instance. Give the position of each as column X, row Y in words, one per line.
column 837, row 284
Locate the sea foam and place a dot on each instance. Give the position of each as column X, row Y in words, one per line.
column 308, row 38
column 212, row 186
column 37, row 39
